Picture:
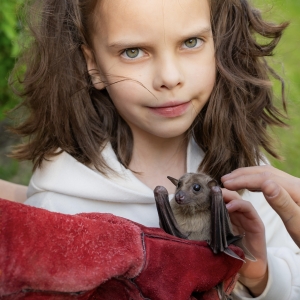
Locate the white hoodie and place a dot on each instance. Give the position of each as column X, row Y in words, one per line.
column 67, row 186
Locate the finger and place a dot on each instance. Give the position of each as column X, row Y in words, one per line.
column 244, row 207
column 283, row 204
column 280, row 200
column 254, row 170
column 246, row 219
column 254, row 182
column 251, row 182
column 230, row 195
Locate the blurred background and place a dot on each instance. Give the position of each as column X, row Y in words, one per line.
column 286, row 61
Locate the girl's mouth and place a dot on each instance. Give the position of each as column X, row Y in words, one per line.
column 171, row 110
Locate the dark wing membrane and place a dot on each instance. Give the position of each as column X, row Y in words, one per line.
column 221, row 231
column 166, row 218
column 219, row 221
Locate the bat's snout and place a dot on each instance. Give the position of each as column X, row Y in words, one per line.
column 181, row 198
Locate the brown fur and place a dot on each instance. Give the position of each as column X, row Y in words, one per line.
column 193, row 214
column 63, row 110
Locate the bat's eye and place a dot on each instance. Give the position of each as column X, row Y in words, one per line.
column 196, row 187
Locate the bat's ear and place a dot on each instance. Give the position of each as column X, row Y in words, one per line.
column 173, row 180
column 212, row 183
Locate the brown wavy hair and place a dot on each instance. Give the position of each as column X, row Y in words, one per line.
column 65, row 111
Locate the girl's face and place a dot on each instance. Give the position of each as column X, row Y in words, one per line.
column 165, row 52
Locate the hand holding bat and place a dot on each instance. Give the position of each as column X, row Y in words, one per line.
column 245, row 220
column 281, row 190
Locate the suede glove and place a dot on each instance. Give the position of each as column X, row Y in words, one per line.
column 46, row 255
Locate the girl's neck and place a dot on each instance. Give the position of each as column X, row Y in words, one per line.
column 156, row 158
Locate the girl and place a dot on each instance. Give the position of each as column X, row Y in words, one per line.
column 123, row 93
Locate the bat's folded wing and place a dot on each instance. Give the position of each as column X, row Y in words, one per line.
column 221, row 230
column 167, row 220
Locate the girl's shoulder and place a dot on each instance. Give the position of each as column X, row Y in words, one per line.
column 65, row 175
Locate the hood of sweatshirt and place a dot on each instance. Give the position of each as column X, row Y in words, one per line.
column 65, row 185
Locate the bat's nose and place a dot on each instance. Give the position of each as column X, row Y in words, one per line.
column 180, row 197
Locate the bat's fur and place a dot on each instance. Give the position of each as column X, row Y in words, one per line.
column 191, row 208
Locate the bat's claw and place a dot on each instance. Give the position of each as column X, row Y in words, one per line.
column 229, row 252
column 226, row 250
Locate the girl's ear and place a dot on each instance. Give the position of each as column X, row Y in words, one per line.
column 92, row 67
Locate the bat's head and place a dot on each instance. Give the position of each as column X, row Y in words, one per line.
column 193, row 190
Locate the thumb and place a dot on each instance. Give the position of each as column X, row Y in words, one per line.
column 280, row 200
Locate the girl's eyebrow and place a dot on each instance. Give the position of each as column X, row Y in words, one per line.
column 196, row 33
column 125, row 44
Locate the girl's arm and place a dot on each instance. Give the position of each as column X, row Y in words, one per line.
column 12, row 191
column 281, row 190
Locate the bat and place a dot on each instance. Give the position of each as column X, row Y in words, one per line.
column 198, row 212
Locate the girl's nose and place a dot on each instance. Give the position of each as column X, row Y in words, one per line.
column 168, row 74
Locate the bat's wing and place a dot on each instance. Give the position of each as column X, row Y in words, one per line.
column 166, row 217
column 239, row 243
column 221, row 230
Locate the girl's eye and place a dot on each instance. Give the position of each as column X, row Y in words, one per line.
column 196, row 187
column 193, row 43
column 132, row 53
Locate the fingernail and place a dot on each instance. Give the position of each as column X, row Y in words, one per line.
column 226, row 181
column 228, row 205
column 226, row 178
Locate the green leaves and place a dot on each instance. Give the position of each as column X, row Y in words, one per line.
column 9, row 32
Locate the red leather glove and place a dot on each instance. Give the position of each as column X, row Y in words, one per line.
column 45, row 255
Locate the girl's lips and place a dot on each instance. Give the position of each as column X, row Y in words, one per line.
column 171, row 111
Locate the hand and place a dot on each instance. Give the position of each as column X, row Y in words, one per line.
column 280, row 189
column 246, row 220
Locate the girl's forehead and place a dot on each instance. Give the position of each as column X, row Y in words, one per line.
column 118, row 17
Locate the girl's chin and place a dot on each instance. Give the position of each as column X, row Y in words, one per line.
column 164, row 128
column 168, row 134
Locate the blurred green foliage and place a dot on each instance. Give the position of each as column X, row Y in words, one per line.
column 9, row 50
column 10, row 28
column 285, row 61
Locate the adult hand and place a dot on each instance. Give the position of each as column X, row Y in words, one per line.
column 281, row 190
